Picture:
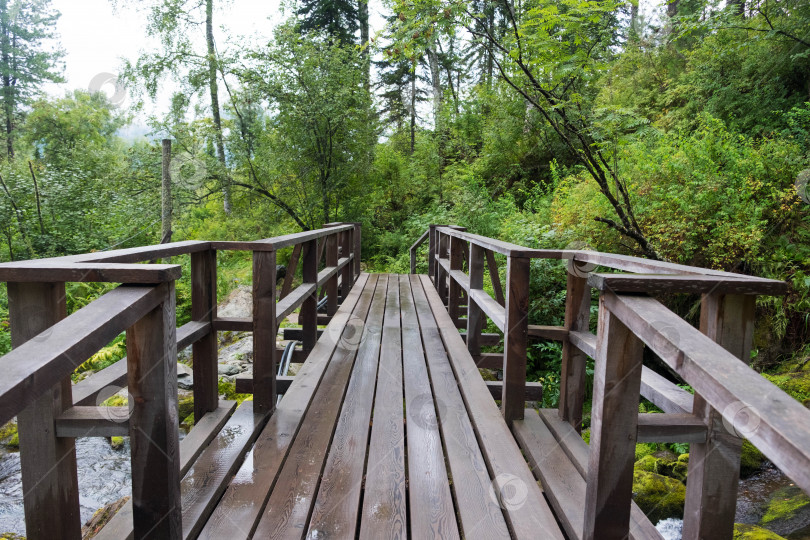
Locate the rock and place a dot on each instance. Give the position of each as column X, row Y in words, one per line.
column 185, row 376
column 185, row 406
column 787, row 511
column 11, row 536
column 8, row 434
column 101, row 518
column 239, row 351
column 751, row 459
column 664, row 463
column 238, row 304
column 743, row 531
column 116, row 443
column 228, row 369
column 660, row 497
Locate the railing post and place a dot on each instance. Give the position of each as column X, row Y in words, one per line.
column 572, row 377
column 49, row 479
column 152, row 380
column 475, row 317
column 347, row 274
column 331, row 283
column 441, row 275
column 264, row 331
column 432, row 253
column 454, row 289
column 614, row 425
column 516, row 334
column 204, row 351
column 357, row 237
column 714, row 466
column 308, row 316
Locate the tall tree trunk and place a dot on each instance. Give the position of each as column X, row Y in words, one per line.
column 634, row 20
column 436, row 83
column 362, row 16
column 413, row 112
column 672, row 8
column 166, row 194
column 8, row 87
column 212, row 83
column 737, row 7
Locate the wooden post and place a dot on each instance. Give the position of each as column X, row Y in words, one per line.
column 475, row 317
column 516, row 335
column 331, row 284
column 166, row 194
column 432, row 253
column 614, row 423
column 356, row 234
column 714, row 466
column 454, row 289
column 347, row 279
column 49, row 480
column 441, row 275
column 152, row 379
column 572, row 377
column 204, row 351
column 264, row 331
column 308, row 316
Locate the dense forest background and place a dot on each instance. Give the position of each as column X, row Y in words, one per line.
column 679, row 131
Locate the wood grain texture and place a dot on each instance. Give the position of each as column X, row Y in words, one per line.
column 572, row 376
column 288, row 509
column 617, row 379
column 480, row 514
column 264, row 331
column 308, row 317
column 671, row 428
column 43, row 272
column 691, row 284
column 204, row 350
column 665, row 395
column 294, row 300
column 494, row 277
column 337, row 504
column 504, row 459
column 475, row 316
column 384, row 512
column 430, row 503
column 516, row 329
column 242, row 504
column 88, row 421
column 48, row 463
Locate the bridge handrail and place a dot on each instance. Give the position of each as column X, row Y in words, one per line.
column 731, row 400
column 49, row 346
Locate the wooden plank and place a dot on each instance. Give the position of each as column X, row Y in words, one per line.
column 293, row 300
column 384, row 512
column 144, row 253
column 492, row 309
column 330, row 283
column 154, row 443
column 726, row 384
column 296, row 334
column 88, row 421
column 577, row 451
column 533, row 391
column 455, row 287
column 532, row 518
column 515, row 329
column 486, row 340
column 41, row 272
column 204, row 351
column 671, row 428
column 308, row 317
column 475, row 316
column 584, row 341
column 691, row 284
column 480, row 514
column 504, row 248
column 279, row 242
column 286, row 287
column 241, row 505
column 664, row 394
column 429, row 500
column 572, row 373
column 356, row 238
column 42, row 362
column 346, row 279
column 495, row 277
column 244, row 384
column 337, row 506
column 489, row 360
column 48, row 463
column 614, row 417
column 551, row 333
column 264, row 331
column 191, row 332
column 233, row 324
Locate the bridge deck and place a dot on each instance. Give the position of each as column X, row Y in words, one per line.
column 341, row 457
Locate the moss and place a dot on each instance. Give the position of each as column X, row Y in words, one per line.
column 586, row 435
column 14, row 441
column 227, row 390
column 185, row 406
column 645, row 449
column 188, row 422
column 116, row 401
column 8, row 431
column 785, row 504
column 744, row 531
column 117, row 443
column 751, row 459
column 664, row 464
column 660, row 497
column 797, row 385
column 11, row 536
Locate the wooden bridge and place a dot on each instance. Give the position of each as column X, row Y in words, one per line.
column 388, row 430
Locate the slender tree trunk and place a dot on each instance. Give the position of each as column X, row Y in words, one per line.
column 436, row 83
column 166, row 194
column 8, row 88
column 737, row 7
column 672, row 8
column 413, row 112
column 634, row 20
column 362, row 15
column 36, row 192
column 212, row 84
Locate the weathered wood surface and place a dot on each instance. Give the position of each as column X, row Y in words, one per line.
column 204, row 350
column 692, row 284
column 38, row 271
column 675, row 428
column 516, row 335
column 665, row 395
column 572, row 374
column 87, row 421
column 264, row 331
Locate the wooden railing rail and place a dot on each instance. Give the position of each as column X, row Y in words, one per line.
column 49, row 346
column 730, row 400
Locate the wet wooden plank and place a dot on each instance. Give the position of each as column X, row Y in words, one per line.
column 664, row 394
column 338, row 502
column 44, row 272
column 384, row 503
column 204, row 350
column 691, row 284
column 239, row 510
column 288, row 509
column 89, row 421
column 533, row 517
column 480, row 515
column 430, row 502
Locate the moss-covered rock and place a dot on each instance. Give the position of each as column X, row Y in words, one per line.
column 751, row 459
column 117, row 443
column 586, row 435
column 796, row 384
column 645, row 449
column 227, row 390
column 185, row 406
column 659, row 496
column 11, row 536
column 8, row 435
column 663, row 463
column 188, row 422
column 787, row 511
column 102, row 517
column 744, row 531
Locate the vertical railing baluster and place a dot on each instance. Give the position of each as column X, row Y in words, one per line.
column 714, row 466
column 204, row 351
column 572, row 376
column 308, row 316
column 356, row 239
column 49, row 479
column 332, row 283
column 475, row 317
column 154, row 442
column 265, row 328
column 347, row 274
column 454, row 289
column 441, row 274
column 614, row 425
column 516, row 334
column 432, row 250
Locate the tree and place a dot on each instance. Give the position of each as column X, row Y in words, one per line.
column 338, row 18
column 25, row 61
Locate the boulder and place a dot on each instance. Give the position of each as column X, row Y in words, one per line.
column 743, row 531
column 658, row 496
column 787, row 511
